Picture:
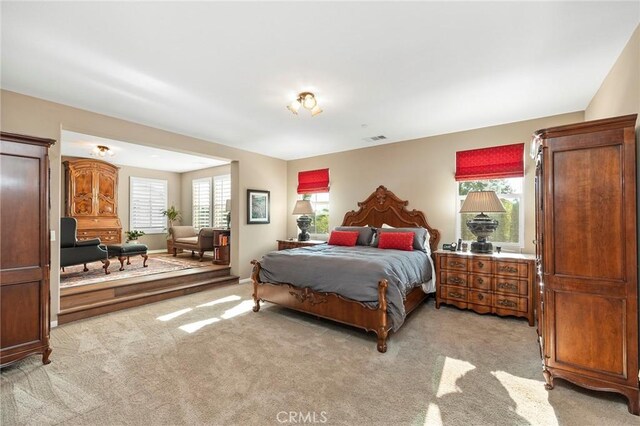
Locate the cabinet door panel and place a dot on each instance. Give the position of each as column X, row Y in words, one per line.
column 106, row 195
column 587, row 213
column 589, row 332
column 23, row 326
column 82, row 187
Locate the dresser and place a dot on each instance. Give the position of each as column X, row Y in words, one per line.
column 91, row 194
column 289, row 244
column 500, row 284
column 25, row 260
column 586, row 245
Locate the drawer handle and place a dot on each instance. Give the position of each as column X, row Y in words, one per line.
column 455, row 280
column 455, row 263
column 507, row 303
column 481, row 264
column 456, row 295
column 509, row 269
column 480, row 281
column 480, row 296
column 508, row 286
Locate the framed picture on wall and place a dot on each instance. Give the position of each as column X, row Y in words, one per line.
column 257, row 207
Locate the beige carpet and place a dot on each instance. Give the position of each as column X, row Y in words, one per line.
column 207, row 359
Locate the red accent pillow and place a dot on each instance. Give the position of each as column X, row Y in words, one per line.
column 344, row 238
column 396, row 240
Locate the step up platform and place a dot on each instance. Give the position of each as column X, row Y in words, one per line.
column 90, row 300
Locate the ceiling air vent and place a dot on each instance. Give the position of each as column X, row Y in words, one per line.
column 375, row 138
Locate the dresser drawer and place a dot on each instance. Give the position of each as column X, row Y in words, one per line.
column 453, row 263
column 481, row 266
column 480, row 298
column 510, row 302
column 511, row 286
column 453, row 278
column 454, row 293
column 480, row 282
column 513, row 269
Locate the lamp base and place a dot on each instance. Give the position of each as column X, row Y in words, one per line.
column 303, row 223
column 481, row 247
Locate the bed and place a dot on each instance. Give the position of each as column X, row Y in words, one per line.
column 379, row 315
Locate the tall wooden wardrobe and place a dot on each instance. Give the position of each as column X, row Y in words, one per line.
column 24, row 244
column 586, row 244
column 91, row 194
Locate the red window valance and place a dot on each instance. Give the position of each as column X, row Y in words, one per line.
column 497, row 162
column 313, row 181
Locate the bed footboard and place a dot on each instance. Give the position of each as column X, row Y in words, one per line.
column 326, row 305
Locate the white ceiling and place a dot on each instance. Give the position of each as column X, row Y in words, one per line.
column 225, row 71
column 130, row 154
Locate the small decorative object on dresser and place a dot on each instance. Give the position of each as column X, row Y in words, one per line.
column 289, row 244
column 500, row 283
column 257, row 207
column 303, row 207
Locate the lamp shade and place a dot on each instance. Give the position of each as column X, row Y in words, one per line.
column 303, row 207
column 482, row 202
column 227, row 205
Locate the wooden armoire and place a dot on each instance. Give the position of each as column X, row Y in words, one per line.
column 92, row 198
column 587, row 259
column 24, row 247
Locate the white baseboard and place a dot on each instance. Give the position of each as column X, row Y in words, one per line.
column 157, row 251
column 246, row 280
column 54, row 324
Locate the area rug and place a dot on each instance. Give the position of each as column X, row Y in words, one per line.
column 74, row 276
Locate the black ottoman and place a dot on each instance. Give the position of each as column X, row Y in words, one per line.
column 124, row 251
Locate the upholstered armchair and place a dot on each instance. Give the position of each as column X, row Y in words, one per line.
column 188, row 238
column 74, row 252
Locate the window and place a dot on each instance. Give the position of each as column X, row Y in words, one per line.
column 221, row 193
column 148, row 198
column 510, row 232
column 201, row 206
column 320, row 219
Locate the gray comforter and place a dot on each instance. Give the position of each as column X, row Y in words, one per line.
column 352, row 272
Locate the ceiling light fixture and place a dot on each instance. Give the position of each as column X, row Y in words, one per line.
column 308, row 101
column 102, row 151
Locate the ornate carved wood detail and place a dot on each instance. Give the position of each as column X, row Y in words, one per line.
column 91, row 197
column 383, row 206
column 306, row 294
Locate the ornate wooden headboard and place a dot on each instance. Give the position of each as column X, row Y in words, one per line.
column 383, row 206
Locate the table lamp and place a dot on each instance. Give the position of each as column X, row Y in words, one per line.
column 482, row 225
column 303, row 207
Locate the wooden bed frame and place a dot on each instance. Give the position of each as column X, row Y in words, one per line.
column 383, row 206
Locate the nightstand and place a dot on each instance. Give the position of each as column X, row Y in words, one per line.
column 500, row 284
column 289, row 244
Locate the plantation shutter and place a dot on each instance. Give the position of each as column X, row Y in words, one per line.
column 147, row 200
column 500, row 162
column 201, row 197
column 221, row 193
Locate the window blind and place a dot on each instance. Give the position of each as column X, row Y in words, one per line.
column 313, row 181
column 499, row 162
column 147, row 200
column 201, row 196
column 221, row 193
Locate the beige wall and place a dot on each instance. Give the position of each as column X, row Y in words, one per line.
column 36, row 117
column 187, row 189
column 153, row 241
column 421, row 171
column 619, row 93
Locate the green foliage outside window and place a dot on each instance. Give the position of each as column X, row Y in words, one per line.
column 320, row 219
